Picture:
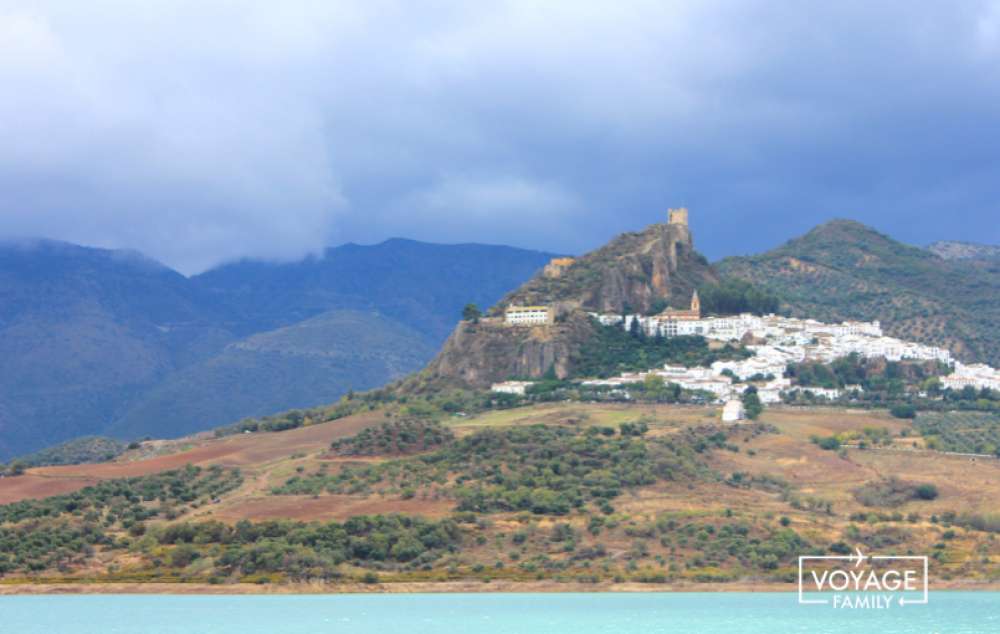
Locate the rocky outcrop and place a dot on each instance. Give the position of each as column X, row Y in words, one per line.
column 478, row 354
column 635, row 271
column 639, row 272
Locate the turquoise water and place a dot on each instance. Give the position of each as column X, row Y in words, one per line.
column 742, row 613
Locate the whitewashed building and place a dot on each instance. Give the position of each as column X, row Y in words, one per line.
column 976, row 375
column 733, row 412
column 528, row 315
column 511, row 387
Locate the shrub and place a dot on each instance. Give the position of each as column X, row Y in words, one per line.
column 892, row 492
column 903, row 410
column 829, row 443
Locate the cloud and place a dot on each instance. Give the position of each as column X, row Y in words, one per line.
column 204, row 131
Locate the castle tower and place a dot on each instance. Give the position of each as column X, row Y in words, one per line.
column 677, row 216
column 557, row 266
column 695, row 303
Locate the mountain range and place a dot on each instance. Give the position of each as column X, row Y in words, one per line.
column 96, row 341
column 110, row 342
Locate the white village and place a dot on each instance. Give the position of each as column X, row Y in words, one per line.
column 778, row 342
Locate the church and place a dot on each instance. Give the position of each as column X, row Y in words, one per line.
column 678, row 321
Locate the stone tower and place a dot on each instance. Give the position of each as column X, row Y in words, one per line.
column 677, row 216
column 695, row 304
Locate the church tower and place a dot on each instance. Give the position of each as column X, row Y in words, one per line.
column 696, row 304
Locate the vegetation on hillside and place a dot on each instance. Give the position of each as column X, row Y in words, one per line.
column 563, row 502
column 541, row 469
column 892, row 492
column 735, row 296
column 874, row 375
column 76, row 451
column 393, row 438
column 63, row 531
column 614, row 350
column 302, row 551
column 844, row 270
column 126, row 501
column 963, row 432
column 905, row 387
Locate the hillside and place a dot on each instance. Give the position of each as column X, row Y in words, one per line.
column 574, row 495
column 94, row 341
column 845, row 270
column 429, row 484
column 644, row 271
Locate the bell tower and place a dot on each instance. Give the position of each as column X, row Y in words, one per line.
column 696, row 304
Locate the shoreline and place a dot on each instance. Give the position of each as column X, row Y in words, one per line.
column 434, row 587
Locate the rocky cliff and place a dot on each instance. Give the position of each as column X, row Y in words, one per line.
column 641, row 272
column 636, row 271
column 478, row 354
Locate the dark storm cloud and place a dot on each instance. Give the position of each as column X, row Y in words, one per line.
column 203, row 131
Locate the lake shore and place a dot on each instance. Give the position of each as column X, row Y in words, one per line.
column 440, row 587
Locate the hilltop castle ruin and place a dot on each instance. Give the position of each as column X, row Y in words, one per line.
column 678, row 216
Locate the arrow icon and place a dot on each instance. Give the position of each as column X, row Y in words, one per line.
column 860, row 557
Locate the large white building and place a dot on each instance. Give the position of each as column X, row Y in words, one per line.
column 528, row 315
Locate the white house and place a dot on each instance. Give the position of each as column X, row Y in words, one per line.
column 733, row 412
column 511, row 387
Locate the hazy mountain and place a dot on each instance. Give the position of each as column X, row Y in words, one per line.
column 422, row 285
column 93, row 340
column 845, row 270
column 83, row 331
column 302, row 365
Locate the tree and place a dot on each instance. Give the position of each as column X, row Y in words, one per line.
column 634, row 329
column 471, row 313
column 751, row 403
column 903, row 410
column 654, row 385
column 16, row 468
column 734, row 296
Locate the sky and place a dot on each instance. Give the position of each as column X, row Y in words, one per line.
column 204, row 131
